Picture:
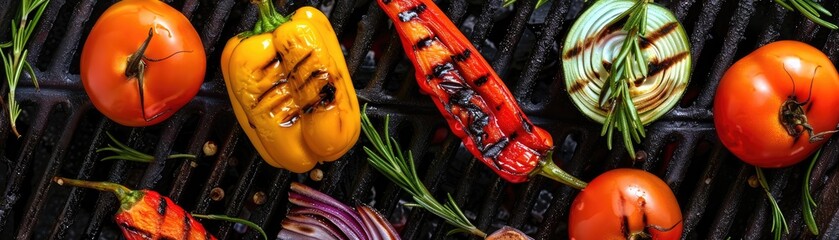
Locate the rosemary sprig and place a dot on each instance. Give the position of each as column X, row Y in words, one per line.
column 538, row 3
column 810, row 9
column 625, row 68
column 234, row 220
column 15, row 62
column 778, row 221
column 807, row 202
column 387, row 157
column 127, row 153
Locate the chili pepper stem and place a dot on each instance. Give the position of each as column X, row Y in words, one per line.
column 126, row 196
column 269, row 18
column 551, row 170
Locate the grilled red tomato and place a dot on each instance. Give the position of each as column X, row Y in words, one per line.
column 625, row 204
column 774, row 106
column 142, row 62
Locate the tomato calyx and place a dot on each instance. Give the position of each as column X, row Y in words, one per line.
column 793, row 117
column 136, row 68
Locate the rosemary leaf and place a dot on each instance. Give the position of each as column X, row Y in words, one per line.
column 387, row 157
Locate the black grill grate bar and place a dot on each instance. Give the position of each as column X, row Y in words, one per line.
column 682, row 8
column 831, row 47
column 67, row 47
column 524, row 86
column 456, row 11
column 515, row 30
column 489, row 209
column 234, row 206
column 154, row 170
column 225, row 153
column 725, row 216
column 341, row 10
column 760, row 217
column 699, row 199
column 68, row 213
column 278, row 193
column 828, row 203
column 772, row 29
column 483, row 23
column 525, row 203
column 208, row 115
column 366, row 30
column 677, row 170
column 212, row 30
column 106, row 204
column 702, row 27
column 739, row 22
column 11, row 195
column 37, row 201
column 39, row 36
column 189, row 7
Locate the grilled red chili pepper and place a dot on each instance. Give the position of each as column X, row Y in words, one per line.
column 475, row 102
column 145, row 214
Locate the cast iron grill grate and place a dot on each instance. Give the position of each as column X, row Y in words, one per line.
column 62, row 130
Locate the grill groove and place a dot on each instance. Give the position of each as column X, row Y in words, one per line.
column 62, row 130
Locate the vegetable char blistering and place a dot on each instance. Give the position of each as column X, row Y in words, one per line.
column 291, row 90
column 475, row 102
column 145, row 214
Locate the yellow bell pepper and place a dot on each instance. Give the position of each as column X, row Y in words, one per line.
column 290, row 89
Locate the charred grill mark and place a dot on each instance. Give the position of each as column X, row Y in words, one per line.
column 607, row 65
column 317, row 74
column 411, row 14
column 425, row 42
column 589, row 41
column 481, row 80
column 274, row 86
column 667, row 63
column 161, row 207
column 451, row 86
column 462, row 56
column 136, row 231
column 289, row 120
column 578, row 85
column 440, row 69
column 300, row 63
column 643, row 209
column 327, row 93
column 639, row 81
column 493, row 150
column 273, row 63
column 658, row 34
column 528, row 127
column 462, row 97
column 386, row 1
column 624, row 218
column 187, row 226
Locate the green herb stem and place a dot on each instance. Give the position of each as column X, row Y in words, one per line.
column 779, row 223
column 15, row 62
column 387, row 157
column 622, row 113
column 807, row 202
column 124, row 152
column 810, row 9
column 232, row 219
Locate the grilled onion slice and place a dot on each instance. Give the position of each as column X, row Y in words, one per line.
column 596, row 39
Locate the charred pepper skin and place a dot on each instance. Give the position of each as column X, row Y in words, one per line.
column 475, row 102
column 145, row 214
column 290, row 89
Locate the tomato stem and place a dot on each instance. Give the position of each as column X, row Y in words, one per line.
column 549, row 169
column 135, row 69
column 126, row 196
column 792, row 116
column 269, row 18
